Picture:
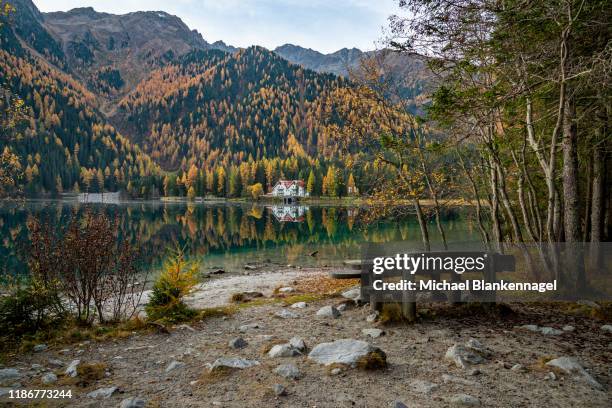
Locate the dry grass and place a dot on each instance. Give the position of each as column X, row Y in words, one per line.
column 324, row 285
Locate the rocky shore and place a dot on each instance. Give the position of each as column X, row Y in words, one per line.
column 329, row 352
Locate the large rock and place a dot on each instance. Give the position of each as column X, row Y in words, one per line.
column 238, row 343
column 102, row 393
column 298, row 343
column 289, row 371
column 232, row 362
column 71, row 370
column 286, row 314
column 9, row 374
column 49, row 378
column 328, row 311
column 462, row 356
column 571, row 366
column 283, row 350
column 133, row 402
column 346, row 351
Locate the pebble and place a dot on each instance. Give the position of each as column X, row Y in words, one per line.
column 422, row 386
column 238, row 343
column 133, row 402
column 289, row 371
column 286, row 314
column 40, row 347
column 71, row 370
column 374, row 333
column 328, row 311
column 102, row 393
column 49, row 378
column 286, row 289
column 279, row 390
column 299, row 305
column 174, row 365
column 464, row 400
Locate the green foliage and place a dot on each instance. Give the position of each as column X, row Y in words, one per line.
column 175, row 282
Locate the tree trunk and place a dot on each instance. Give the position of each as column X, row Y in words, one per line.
column 571, row 215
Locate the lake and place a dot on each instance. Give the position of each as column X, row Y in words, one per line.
column 227, row 235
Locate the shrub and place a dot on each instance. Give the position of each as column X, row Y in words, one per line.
column 175, row 282
column 94, row 272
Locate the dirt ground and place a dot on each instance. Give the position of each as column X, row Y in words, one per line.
column 137, row 365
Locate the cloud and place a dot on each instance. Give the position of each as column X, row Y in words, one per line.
column 324, row 25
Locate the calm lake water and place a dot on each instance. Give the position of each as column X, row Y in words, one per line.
column 227, row 235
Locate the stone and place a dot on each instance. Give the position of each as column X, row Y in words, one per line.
column 549, row 331
column 336, row 371
column 569, row 328
column 447, row 378
column 232, row 362
column 422, row 386
column 40, row 347
column 474, row 372
column 287, row 289
column 344, row 351
column 283, row 350
column 372, row 317
column 353, row 294
column 589, row 303
column 186, row 327
column 289, row 371
column 71, row 370
column 518, row 368
column 248, row 327
column 9, row 374
column 279, row 390
column 286, row 314
column 49, row 378
column 477, row 346
column 102, row 393
column 250, row 267
column 462, row 356
column 174, row 365
column 237, row 343
column 299, row 305
column 133, row 402
column 217, row 272
column 463, row 400
column 607, row 328
column 570, row 365
column 550, row 376
column 56, row 363
column 374, row 333
column 398, row 404
column 328, row 311
column 297, row 343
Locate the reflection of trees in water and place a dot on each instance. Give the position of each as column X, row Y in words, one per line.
column 204, row 229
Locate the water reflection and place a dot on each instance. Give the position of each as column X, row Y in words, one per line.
column 222, row 235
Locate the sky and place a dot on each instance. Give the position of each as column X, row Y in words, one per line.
column 323, row 25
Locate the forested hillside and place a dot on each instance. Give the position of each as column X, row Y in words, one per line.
column 139, row 102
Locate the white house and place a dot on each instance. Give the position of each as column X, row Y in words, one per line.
column 289, row 188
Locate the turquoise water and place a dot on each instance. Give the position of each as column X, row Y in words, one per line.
column 226, row 235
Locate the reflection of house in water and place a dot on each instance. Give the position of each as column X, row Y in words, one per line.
column 289, row 213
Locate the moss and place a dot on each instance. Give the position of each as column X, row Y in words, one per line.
column 376, row 360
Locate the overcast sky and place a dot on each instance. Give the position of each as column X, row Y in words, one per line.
column 324, row 25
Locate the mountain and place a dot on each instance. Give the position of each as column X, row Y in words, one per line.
column 410, row 73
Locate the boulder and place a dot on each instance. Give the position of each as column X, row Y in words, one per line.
column 71, row 370
column 9, row 374
column 374, row 333
column 232, row 362
column 279, row 390
column 286, row 314
column 49, row 378
column 283, row 350
column 237, row 343
column 133, row 402
column 40, row 347
column 570, row 365
column 102, row 393
column 297, row 343
column 288, row 371
column 462, row 356
column 328, row 311
column 346, row 351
